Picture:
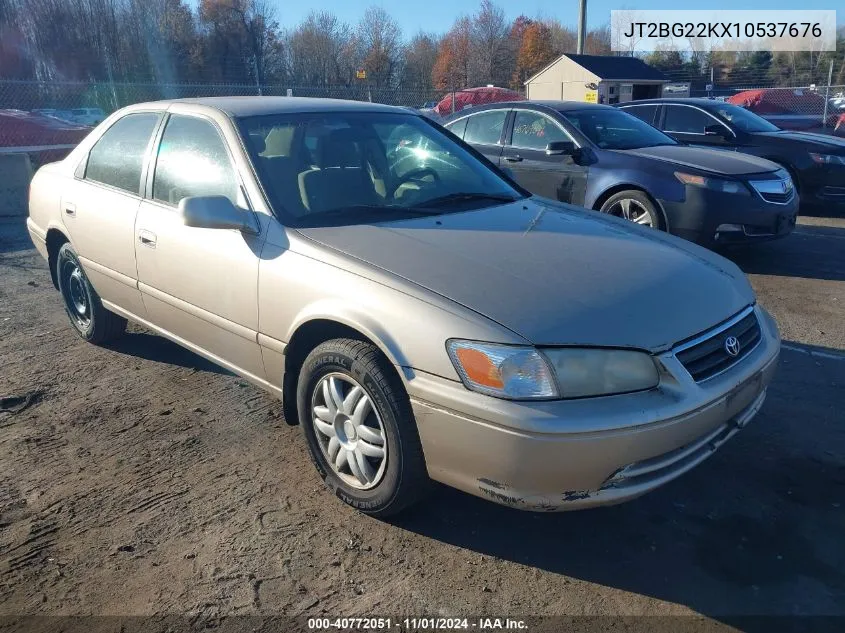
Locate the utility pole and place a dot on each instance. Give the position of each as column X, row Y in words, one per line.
column 582, row 26
column 827, row 93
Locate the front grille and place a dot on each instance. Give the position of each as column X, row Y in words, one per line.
column 706, row 356
column 779, row 198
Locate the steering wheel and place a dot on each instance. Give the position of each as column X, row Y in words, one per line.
column 414, row 174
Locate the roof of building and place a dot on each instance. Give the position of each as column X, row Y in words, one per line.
column 610, row 67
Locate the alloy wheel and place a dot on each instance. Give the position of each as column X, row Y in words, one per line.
column 349, row 430
column 630, row 209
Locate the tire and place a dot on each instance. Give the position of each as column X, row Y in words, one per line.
column 397, row 479
column 84, row 308
column 641, row 208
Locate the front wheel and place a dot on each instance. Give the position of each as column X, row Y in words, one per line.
column 359, row 427
column 635, row 206
column 82, row 303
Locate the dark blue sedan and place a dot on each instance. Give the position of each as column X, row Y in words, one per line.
column 602, row 158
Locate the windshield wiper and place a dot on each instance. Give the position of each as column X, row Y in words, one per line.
column 374, row 209
column 464, row 196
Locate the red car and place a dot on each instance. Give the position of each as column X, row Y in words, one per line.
column 21, row 129
column 475, row 97
column 788, row 108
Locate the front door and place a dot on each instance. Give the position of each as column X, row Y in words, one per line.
column 99, row 207
column 200, row 285
column 555, row 176
column 694, row 126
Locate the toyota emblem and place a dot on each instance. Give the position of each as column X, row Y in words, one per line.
column 732, row 346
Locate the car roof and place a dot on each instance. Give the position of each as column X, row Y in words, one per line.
column 559, row 106
column 256, row 106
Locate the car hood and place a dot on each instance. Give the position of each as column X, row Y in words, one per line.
column 809, row 138
column 713, row 160
column 554, row 274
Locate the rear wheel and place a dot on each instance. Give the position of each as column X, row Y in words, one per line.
column 635, row 206
column 82, row 303
column 359, row 427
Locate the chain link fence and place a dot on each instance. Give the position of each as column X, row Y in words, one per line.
column 56, row 115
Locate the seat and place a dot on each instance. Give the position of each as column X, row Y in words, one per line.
column 341, row 178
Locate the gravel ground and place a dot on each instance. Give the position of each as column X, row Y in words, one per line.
column 139, row 479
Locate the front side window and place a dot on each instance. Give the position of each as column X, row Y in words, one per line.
column 117, row 158
column 352, row 167
column 745, row 120
column 192, row 161
column 610, row 128
column 485, row 128
column 686, row 120
column 532, row 130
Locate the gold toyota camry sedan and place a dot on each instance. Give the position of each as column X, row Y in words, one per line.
column 421, row 316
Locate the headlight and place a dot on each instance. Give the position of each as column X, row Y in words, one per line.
column 597, row 372
column 515, row 372
column 504, row 371
column 827, row 159
column 716, row 184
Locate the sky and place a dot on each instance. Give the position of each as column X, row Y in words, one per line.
column 438, row 15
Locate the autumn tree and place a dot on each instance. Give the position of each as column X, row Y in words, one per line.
column 451, row 70
column 489, row 55
column 535, row 52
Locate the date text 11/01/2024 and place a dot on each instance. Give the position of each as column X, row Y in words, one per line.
column 417, row 624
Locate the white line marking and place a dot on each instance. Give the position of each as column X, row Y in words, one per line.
column 829, row 355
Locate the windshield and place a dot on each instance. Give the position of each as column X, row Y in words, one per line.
column 743, row 119
column 613, row 129
column 359, row 165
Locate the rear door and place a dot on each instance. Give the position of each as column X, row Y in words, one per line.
column 100, row 205
column 485, row 131
column 555, row 176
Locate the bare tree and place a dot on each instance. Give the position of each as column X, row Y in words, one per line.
column 490, row 59
column 420, row 57
column 380, row 43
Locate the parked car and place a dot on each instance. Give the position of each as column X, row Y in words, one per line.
column 816, row 162
column 421, row 316
column 63, row 115
column 605, row 159
column 788, row 108
column 45, row 138
column 473, row 97
column 88, row 116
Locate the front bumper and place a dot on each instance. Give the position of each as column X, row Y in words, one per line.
column 572, row 454
column 712, row 218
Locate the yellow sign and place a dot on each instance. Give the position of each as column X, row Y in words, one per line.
column 591, row 96
column 361, row 74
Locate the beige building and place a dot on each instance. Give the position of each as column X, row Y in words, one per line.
column 596, row 79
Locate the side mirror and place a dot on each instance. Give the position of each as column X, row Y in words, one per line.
column 717, row 130
column 214, row 212
column 561, row 148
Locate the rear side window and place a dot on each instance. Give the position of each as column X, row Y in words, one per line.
column 458, row 127
column 643, row 112
column 192, row 161
column 118, row 157
column 485, row 128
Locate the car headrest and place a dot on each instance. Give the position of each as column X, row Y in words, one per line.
column 340, row 148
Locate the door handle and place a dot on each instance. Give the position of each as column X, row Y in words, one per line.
column 70, row 209
column 514, row 159
column 147, row 238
